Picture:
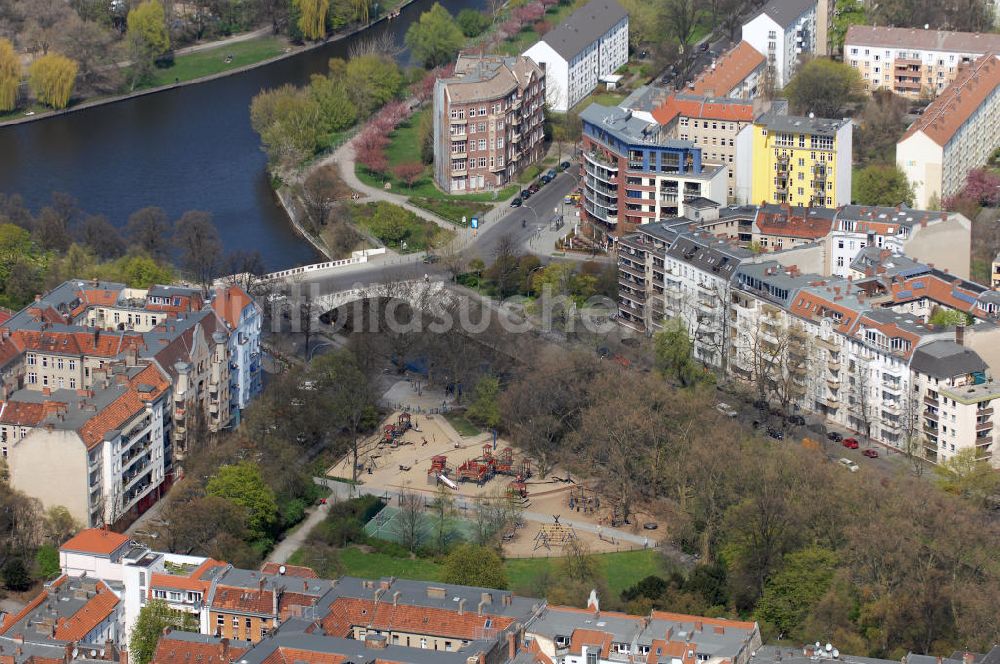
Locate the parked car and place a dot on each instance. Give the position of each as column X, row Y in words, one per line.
column 834, row 436
column 871, row 454
column 850, row 465
column 774, row 433
column 726, row 409
column 525, row 194
column 704, row 47
column 545, row 179
column 516, row 202
column 564, row 166
column 851, row 443
column 430, row 259
column 552, row 174
column 534, row 187
column 797, row 420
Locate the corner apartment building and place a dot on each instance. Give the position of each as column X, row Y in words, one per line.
column 712, row 124
column 783, row 31
column 591, row 43
column 102, row 382
column 98, row 451
column 738, row 73
column 795, row 160
column 910, row 61
column 633, row 174
column 487, row 122
column 956, row 133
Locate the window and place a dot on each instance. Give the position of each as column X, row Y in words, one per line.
column 32, row 378
column 249, row 624
column 220, row 621
column 236, row 624
column 45, row 362
column 31, row 359
column 592, row 657
column 72, row 363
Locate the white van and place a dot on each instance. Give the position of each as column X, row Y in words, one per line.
column 850, row 465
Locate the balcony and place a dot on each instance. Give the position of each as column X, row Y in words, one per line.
column 833, row 382
column 829, row 345
column 931, row 401
column 984, row 426
column 634, row 296
column 831, row 402
column 930, row 430
column 931, row 414
column 634, row 271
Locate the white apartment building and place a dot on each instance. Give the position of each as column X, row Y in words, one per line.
column 593, row 42
column 782, row 31
column 911, row 61
column 956, row 133
column 99, row 452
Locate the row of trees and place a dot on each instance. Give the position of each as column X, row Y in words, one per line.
column 295, row 123
column 62, row 242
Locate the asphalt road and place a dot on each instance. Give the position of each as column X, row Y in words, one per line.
column 537, row 212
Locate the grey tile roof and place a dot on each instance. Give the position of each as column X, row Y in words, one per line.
column 786, row 12
column 781, row 655
column 798, row 124
column 946, row 359
column 584, row 26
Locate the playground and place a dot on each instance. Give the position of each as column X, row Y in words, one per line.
column 417, row 452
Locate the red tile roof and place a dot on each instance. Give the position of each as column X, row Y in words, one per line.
column 192, row 581
column 274, row 569
column 243, row 600
column 959, row 101
column 229, row 304
column 177, row 651
column 787, row 224
column 347, row 612
column 79, row 343
column 812, row 306
column 11, row 348
column 590, row 637
column 730, row 69
column 19, row 413
column 90, row 615
column 95, row 540
column 702, row 107
column 296, row 655
column 125, row 407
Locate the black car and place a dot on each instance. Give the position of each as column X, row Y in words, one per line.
column 834, row 436
column 564, row 166
column 545, row 179
column 516, row 202
column 551, row 174
column 775, row 434
column 704, row 47
column 797, row 419
column 430, row 259
column 534, row 188
column 525, row 194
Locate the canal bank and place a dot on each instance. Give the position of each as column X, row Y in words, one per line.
column 185, row 148
column 291, row 53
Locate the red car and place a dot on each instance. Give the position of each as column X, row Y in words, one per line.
column 871, row 454
column 851, row 443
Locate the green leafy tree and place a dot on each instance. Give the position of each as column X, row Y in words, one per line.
column 791, row 594
column 141, row 271
column 673, row 351
column 942, row 317
column 311, row 17
column 823, row 87
column 882, row 184
column 16, row 575
column 147, row 22
column 435, row 38
column 964, row 475
column 485, row 406
column 148, row 38
column 153, row 619
column 47, row 561
column 52, row 78
column 336, row 110
column 390, row 223
column 472, row 565
column 243, row 484
column 846, row 13
column 472, row 22
column 371, row 81
column 10, row 75
column 288, row 122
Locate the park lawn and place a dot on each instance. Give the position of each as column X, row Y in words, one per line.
column 374, row 565
column 621, row 570
column 451, row 209
column 17, row 113
column 461, row 423
column 213, row 60
column 420, row 234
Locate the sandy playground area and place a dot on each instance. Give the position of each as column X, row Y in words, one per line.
column 391, row 468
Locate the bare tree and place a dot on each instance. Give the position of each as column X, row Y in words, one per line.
column 860, row 400
column 408, row 519
column 381, row 44
column 911, row 434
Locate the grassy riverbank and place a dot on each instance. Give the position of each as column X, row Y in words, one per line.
column 189, row 66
